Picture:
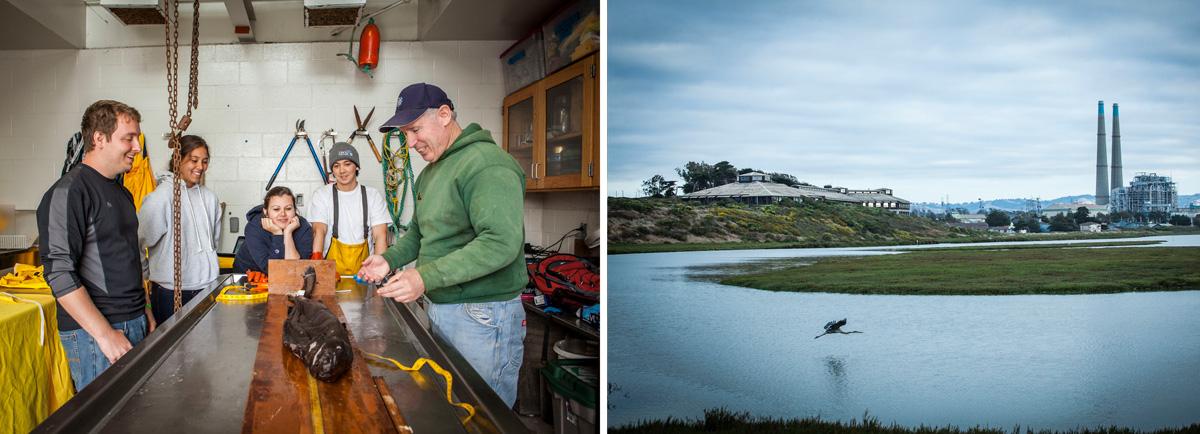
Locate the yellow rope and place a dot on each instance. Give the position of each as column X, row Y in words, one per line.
column 449, row 379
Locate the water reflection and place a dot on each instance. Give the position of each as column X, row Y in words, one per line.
column 835, row 366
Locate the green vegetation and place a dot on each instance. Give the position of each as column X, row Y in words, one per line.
column 1026, row 270
column 725, row 421
column 669, row 224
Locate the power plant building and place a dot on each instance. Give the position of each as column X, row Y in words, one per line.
column 1148, row 192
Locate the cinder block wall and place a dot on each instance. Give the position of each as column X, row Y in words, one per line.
column 250, row 98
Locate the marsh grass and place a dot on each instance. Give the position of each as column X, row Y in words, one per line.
column 1027, row 270
column 724, row 421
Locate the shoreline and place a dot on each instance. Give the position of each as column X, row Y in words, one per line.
column 632, row 248
column 721, row 420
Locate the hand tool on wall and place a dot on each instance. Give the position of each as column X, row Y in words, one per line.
column 362, row 131
column 299, row 134
column 332, row 136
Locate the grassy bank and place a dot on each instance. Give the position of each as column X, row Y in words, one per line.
column 791, row 224
column 724, row 421
column 648, row 225
column 623, row 248
column 1046, row 270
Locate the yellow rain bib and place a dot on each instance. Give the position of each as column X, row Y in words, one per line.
column 349, row 257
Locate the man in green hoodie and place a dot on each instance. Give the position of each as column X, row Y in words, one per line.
column 466, row 235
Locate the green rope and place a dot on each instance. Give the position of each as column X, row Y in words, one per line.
column 398, row 179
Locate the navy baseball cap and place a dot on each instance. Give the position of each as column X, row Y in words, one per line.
column 414, row 100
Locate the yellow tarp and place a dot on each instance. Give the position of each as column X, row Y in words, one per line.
column 140, row 179
column 25, row 277
column 34, row 374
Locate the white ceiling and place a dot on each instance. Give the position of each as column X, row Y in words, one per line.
column 42, row 24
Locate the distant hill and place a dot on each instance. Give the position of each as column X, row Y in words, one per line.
column 811, row 224
column 1023, row 204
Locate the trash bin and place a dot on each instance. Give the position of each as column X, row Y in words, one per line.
column 575, row 385
column 577, row 349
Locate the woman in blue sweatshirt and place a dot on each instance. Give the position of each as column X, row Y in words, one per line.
column 277, row 233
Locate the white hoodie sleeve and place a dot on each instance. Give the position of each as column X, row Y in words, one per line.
column 217, row 222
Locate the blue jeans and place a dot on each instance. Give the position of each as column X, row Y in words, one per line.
column 84, row 355
column 491, row 336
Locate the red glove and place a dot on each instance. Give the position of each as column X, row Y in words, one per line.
column 316, row 255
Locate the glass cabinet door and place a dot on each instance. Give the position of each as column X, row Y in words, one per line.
column 564, row 128
column 520, row 135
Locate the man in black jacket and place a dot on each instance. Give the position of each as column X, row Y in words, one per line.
column 87, row 229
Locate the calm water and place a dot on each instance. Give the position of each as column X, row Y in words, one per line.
column 677, row 346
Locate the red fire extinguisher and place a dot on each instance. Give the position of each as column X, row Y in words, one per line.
column 368, row 47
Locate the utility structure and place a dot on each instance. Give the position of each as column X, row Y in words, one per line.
column 1148, row 192
column 1106, row 184
column 1116, row 180
column 1101, row 158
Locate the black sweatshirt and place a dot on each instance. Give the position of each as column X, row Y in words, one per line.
column 87, row 232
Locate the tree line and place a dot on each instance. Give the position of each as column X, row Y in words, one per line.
column 703, row 176
column 1063, row 222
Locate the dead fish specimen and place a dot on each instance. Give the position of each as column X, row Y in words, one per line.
column 313, row 333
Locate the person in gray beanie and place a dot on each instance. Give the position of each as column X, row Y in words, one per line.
column 349, row 219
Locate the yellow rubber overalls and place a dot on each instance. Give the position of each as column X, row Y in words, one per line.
column 349, row 257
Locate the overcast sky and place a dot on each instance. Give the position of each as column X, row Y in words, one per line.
column 940, row 98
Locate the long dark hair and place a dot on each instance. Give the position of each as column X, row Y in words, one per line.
column 277, row 191
column 187, row 144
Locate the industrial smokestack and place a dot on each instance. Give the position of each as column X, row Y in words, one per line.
column 1116, row 178
column 1101, row 159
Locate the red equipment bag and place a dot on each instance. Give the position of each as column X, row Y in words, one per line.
column 570, row 281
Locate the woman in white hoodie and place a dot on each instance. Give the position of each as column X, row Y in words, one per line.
column 200, row 229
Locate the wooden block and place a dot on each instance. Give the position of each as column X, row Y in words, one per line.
column 287, row 275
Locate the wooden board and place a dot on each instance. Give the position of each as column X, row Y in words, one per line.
column 279, row 397
column 278, row 400
column 287, row 275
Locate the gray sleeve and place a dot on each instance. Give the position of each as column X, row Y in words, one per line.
column 152, row 224
column 62, row 234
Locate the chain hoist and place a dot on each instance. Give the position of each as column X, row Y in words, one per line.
column 179, row 125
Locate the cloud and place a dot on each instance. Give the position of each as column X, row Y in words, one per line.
column 966, row 99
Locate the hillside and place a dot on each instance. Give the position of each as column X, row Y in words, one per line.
column 808, row 224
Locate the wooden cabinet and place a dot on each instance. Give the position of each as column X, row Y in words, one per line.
column 552, row 128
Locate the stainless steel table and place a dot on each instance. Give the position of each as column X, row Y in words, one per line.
column 193, row 373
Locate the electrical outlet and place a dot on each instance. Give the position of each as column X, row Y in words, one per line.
column 233, row 225
column 582, row 234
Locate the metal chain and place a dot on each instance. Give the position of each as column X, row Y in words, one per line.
column 178, row 126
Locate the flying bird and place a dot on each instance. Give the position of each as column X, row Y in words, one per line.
column 835, row 327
